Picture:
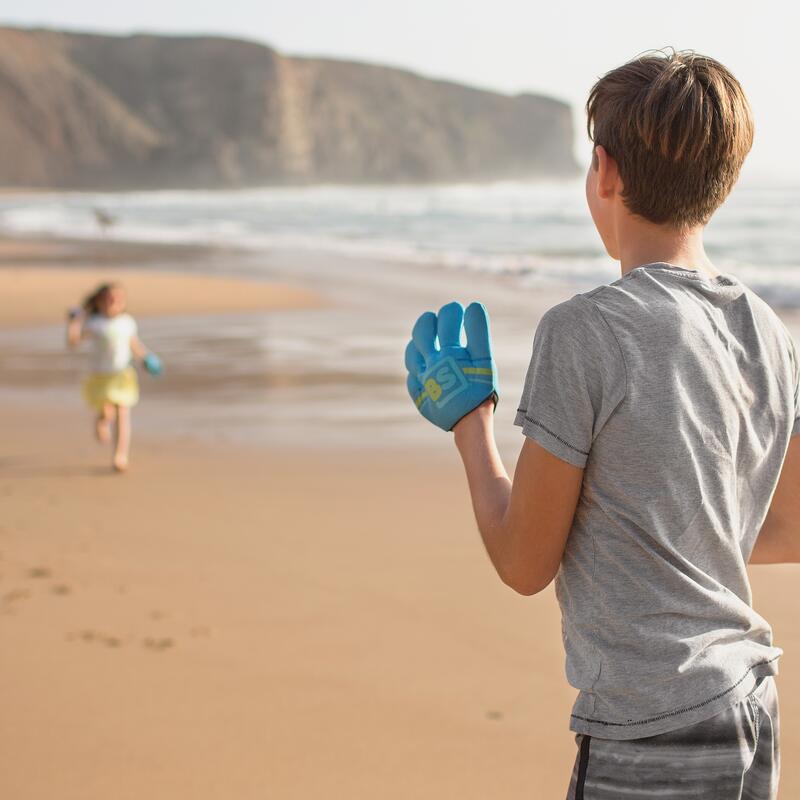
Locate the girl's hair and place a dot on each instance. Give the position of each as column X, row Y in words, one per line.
column 92, row 302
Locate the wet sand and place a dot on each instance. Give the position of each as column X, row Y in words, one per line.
column 263, row 620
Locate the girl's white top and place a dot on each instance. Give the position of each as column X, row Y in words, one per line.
column 110, row 338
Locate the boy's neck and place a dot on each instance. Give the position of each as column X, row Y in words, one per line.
column 641, row 242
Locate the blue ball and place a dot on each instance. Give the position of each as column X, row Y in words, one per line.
column 152, row 363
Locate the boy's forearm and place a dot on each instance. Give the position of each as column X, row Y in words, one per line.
column 488, row 480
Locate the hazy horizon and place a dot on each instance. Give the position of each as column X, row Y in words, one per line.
column 503, row 49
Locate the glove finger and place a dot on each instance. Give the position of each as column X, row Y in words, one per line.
column 424, row 334
column 414, row 389
column 476, row 324
column 415, row 363
column 448, row 325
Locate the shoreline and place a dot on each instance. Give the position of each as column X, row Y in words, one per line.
column 306, row 347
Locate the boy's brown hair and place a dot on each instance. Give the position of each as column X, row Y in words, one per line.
column 679, row 126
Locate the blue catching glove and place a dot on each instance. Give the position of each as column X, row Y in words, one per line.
column 152, row 363
column 449, row 381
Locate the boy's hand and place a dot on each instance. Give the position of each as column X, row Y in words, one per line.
column 449, row 381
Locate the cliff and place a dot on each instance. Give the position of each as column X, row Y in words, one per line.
column 109, row 112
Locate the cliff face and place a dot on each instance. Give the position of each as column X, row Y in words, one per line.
column 87, row 111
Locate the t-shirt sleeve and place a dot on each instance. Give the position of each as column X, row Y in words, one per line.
column 133, row 328
column 575, row 381
column 90, row 327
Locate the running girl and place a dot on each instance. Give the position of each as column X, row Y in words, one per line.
column 112, row 386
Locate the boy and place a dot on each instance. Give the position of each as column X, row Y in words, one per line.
column 660, row 457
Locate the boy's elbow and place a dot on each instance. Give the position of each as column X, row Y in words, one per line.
column 526, row 569
column 525, row 589
column 524, row 582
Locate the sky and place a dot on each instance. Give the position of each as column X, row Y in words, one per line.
column 554, row 48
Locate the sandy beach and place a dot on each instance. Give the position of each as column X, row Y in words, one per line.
column 243, row 618
column 34, row 293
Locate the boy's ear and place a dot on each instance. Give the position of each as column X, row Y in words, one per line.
column 607, row 172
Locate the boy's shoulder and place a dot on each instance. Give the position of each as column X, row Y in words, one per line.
column 580, row 324
column 584, row 311
column 645, row 304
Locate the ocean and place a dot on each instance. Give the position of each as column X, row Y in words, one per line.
column 539, row 233
column 379, row 256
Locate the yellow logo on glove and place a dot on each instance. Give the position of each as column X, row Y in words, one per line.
column 433, row 388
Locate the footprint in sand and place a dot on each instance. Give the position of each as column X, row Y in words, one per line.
column 10, row 599
column 60, row 588
column 153, row 643
column 494, row 715
column 95, row 637
column 39, row 572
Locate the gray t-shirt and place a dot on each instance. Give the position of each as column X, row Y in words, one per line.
column 678, row 394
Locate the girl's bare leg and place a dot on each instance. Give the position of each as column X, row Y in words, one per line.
column 123, row 438
column 102, row 425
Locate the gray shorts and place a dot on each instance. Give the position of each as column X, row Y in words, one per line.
column 732, row 756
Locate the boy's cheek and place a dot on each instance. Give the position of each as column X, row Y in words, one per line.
column 591, row 193
column 592, row 202
column 588, row 182
column 599, row 217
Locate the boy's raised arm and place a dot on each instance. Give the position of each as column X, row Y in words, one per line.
column 524, row 524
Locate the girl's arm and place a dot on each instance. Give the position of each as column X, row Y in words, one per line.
column 75, row 328
column 150, row 361
column 138, row 349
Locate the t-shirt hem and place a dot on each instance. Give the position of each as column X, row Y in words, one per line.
column 671, row 721
column 550, row 440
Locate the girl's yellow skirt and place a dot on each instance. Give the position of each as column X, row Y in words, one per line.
column 118, row 388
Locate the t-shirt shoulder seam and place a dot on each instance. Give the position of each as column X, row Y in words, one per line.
column 587, row 298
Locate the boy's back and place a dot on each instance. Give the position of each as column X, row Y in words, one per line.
column 674, row 391
column 658, row 412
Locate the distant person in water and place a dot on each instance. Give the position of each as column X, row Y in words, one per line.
column 112, row 386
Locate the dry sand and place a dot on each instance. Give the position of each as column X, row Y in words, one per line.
column 35, row 295
column 223, row 623
column 248, row 624
column 243, row 623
